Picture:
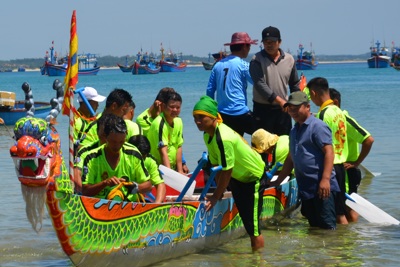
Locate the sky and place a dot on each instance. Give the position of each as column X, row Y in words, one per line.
column 123, row 27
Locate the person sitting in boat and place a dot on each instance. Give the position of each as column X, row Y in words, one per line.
column 133, row 128
column 115, row 170
column 273, row 148
column 145, row 119
column 166, row 134
column 143, row 145
column 84, row 113
column 81, row 153
column 117, row 103
column 242, row 167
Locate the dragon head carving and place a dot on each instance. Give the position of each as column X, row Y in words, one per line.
column 37, row 152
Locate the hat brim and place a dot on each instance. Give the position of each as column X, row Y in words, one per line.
column 294, row 103
column 252, row 42
column 98, row 98
column 271, row 39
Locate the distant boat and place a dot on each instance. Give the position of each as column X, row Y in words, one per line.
column 379, row 57
column 87, row 64
column 145, row 64
column 21, row 69
column 126, row 67
column 171, row 63
column 217, row 57
column 395, row 58
column 305, row 59
column 11, row 110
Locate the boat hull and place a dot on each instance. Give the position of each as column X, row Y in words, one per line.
column 96, row 232
column 172, row 67
column 60, row 70
column 145, row 69
column 378, row 62
column 126, row 68
column 306, row 65
column 207, row 65
column 10, row 117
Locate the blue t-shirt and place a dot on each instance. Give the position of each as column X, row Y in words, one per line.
column 306, row 143
column 229, row 78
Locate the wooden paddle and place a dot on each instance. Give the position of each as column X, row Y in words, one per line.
column 368, row 210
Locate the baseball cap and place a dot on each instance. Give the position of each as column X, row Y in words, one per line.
column 91, row 94
column 296, row 98
column 261, row 140
column 241, row 38
column 271, row 33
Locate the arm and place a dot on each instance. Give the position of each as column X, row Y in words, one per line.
column 94, row 189
column 294, row 81
column 365, row 149
column 179, row 167
column 286, row 171
column 222, row 179
column 160, row 193
column 164, row 156
column 211, row 87
column 145, row 187
column 324, row 189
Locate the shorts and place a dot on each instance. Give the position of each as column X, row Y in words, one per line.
column 248, row 198
column 239, row 123
column 353, row 180
column 340, row 199
column 320, row 212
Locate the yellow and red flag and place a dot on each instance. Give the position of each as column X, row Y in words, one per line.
column 71, row 78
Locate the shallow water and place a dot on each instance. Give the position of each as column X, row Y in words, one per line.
column 27, row 239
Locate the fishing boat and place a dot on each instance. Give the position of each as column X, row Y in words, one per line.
column 379, row 57
column 126, row 67
column 145, row 64
column 395, row 58
column 171, row 62
column 305, row 59
column 11, row 110
column 217, row 57
column 53, row 66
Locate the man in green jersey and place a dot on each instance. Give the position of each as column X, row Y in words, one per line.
column 334, row 117
column 114, row 163
column 242, row 167
column 356, row 135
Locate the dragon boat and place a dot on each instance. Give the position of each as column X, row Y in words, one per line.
column 100, row 232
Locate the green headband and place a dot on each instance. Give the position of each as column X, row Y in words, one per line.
column 206, row 106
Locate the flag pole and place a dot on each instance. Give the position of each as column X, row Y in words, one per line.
column 71, row 79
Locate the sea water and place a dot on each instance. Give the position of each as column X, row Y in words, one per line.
column 371, row 96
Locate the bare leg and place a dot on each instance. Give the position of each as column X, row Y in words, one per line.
column 257, row 242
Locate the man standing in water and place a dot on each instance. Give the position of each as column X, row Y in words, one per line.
column 242, row 167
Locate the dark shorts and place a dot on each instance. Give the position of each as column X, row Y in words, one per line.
column 240, row 123
column 341, row 196
column 320, row 213
column 248, row 198
column 353, row 179
column 271, row 118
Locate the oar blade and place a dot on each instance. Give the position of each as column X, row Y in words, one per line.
column 369, row 211
column 367, row 173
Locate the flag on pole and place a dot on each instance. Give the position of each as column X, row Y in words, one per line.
column 71, row 78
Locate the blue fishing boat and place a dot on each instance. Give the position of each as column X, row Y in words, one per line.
column 145, row 64
column 395, row 58
column 87, row 64
column 126, row 67
column 379, row 57
column 305, row 59
column 172, row 62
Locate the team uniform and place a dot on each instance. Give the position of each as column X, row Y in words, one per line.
column 334, row 117
column 355, row 135
column 162, row 134
column 130, row 167
column 144, row 120
column 228, row 149
column 229, row 78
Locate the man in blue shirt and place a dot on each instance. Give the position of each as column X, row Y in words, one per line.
column 311, row 155
column 229, row 78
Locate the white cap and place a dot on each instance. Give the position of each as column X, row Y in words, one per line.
column 91, row 94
